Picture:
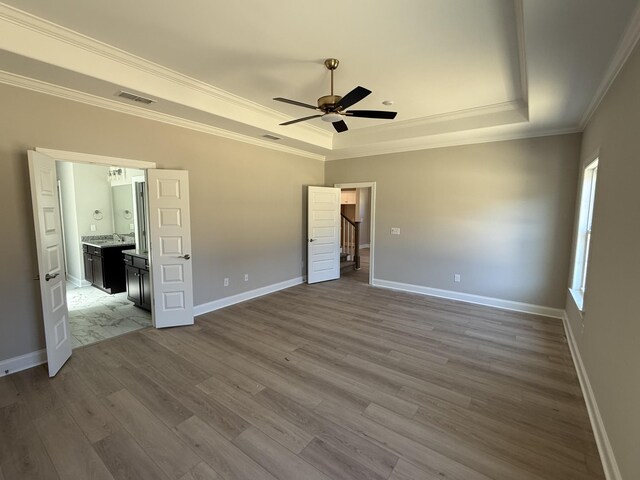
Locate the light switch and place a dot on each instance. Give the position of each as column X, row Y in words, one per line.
column 395, row 230
column 131, row 226
column 93, row 227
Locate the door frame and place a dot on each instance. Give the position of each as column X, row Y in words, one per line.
column 78, row 157
column 372, row 229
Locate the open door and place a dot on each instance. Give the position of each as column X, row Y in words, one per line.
column 52, row 277
column 170, row 247
column 323, row 234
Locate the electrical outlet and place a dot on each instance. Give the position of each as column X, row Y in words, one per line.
column 226, row 282
column 395, row 230
column 456, row 278
column 246, row 277
column 93, row 227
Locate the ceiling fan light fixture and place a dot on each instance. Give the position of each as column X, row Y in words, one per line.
column 332, row 117
column 333, row 107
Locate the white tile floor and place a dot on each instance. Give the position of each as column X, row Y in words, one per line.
column 95, row 315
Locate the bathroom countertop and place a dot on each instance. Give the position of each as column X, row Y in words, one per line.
column 105, row 241
column 137, row 253
column 109, row 243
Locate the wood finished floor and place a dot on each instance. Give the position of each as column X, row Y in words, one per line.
column 333, row 381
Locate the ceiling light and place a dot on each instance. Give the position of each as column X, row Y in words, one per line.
column 332, row 117
column 388, row 102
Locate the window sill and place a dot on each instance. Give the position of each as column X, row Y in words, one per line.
column 578, row 299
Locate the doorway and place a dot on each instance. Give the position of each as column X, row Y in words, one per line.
column 358, row 205
column 168, row 285
column 102, row 224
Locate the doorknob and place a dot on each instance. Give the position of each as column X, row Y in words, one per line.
column 312, row 240
column 48, row 277
column 186, row 256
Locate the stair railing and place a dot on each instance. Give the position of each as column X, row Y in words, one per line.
column 350, row 240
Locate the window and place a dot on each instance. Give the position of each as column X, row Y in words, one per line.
column 583, row 240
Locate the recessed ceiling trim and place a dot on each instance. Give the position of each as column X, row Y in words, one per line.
column 505, row 113
column 454, row 139
column 522, row 51
column 39, row 39
column 625, row 48
column 93, row 100
column 452, row 116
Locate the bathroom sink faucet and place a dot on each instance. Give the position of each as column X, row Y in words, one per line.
column 118, row 237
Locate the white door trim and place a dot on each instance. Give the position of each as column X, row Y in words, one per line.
column 78, row 157
column 372, row 230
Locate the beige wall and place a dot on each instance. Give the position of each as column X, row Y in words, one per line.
column 499, row 214
column 609, row 344
column 247, row 203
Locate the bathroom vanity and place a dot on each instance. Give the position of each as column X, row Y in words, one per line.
column 103, row 263
column 136, row 264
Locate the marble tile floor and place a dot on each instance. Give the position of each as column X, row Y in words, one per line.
column 95, row 315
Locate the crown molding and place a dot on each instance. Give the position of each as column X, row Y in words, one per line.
column 473, row 112
column 625, row 48
column 522, row 51
column 42, row 40
column 93, row 100
column 416, row 130
column 429, row 143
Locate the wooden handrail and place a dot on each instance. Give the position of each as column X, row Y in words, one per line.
column 352, row 244
column 348, row 219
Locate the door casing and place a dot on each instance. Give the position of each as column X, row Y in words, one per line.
column 75, row 157
column 372, row 231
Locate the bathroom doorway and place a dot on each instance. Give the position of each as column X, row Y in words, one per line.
column 104, row 224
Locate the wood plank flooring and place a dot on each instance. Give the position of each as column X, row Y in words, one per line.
column 334, row 381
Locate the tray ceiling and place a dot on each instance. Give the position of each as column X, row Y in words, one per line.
column 458, row 71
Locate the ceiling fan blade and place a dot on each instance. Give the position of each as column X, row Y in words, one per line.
column 340, row 126
column 354, row 96
column 300, row 120
column 372, row 114
column 293, row 102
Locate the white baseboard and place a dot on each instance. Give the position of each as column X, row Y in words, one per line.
column 244, row 296
column 28, row 360
column 470, row 298
column 608, row 459
column 33, row 359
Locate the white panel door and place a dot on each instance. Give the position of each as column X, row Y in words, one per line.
column 170, row 247
column 48, row 228
column 323, row 234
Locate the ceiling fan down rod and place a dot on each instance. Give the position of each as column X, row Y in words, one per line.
column 331, row 64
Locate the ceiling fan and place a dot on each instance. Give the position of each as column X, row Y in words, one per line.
column 333, row 106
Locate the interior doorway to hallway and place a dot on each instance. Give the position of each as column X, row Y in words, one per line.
column 357, row 209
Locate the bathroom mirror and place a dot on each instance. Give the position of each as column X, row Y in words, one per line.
column 122, row 209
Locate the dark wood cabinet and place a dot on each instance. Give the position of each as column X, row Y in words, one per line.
column 103, row 267
column 138, row 280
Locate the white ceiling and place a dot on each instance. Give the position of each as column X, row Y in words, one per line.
column 459, row 71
